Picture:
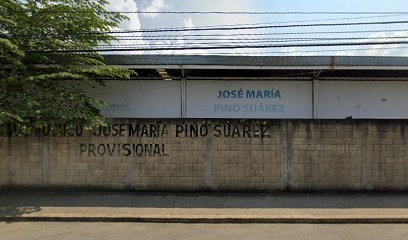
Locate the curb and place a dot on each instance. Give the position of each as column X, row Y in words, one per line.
column 238, row 220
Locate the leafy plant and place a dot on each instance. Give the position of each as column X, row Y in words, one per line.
column 39, row 88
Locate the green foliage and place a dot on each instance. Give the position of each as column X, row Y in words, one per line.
column 36, row 88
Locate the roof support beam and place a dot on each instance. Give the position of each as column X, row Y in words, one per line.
column 234, row 67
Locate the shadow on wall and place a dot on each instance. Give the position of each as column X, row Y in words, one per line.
column 16, row 204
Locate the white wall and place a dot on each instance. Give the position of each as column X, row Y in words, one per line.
column 283, row 99
column 362, row 99
column 140, row 99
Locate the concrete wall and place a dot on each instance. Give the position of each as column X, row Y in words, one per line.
column 255, row 156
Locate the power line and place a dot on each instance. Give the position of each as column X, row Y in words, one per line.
column 247, row 28
column 231, row 12
column 303, row 21
column 261, row 34
column 222, row 47
column 278, row 33
column 199, row 45
column 312, row 20
column 257, row 13
column 306, row 51
column 257, row 40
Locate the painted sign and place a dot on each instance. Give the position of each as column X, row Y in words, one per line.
column 137, row 136
column 249, row 99
column 254, row 99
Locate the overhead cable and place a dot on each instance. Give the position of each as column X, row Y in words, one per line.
column 261, row 34
column 260, row 12
column 222, row 47
column 302, row 51
column 297, row 21
column 245, row 28
column 257, row 40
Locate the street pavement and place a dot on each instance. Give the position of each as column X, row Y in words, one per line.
column 144, row 231
column 346, row 207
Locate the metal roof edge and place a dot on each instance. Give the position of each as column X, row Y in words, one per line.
column 259, row 62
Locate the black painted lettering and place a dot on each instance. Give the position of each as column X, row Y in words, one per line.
column 79, row 130
column 203, row 130
column 122, row 130
column 193, row 131
column 115, row 130
column 227, row 130
column 107, row 130
column 70, row 132
column 127, row 152
column 133, row 130
column 111, row 149
column 91, row 149
column 97, row 132
column 164, row 131
column 139, row 150
column 235, row 131
column 156, row 150
column 101, row 149
column 164, row 151
column 148, row 150
column 58, row 130
column 246, row 131
column 217, row 131
column 82, row 148
column 264, row 131
column 179, row 130
column 153, row 130
column 256, row 132
column 145, row 131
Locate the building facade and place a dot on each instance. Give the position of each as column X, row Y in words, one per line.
column 217, row 123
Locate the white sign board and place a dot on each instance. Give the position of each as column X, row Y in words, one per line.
column 363, row 99
column 249, row 99
column 254, row 99
column 140, row 99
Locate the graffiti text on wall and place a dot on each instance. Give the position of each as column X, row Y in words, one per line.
column 129, row 140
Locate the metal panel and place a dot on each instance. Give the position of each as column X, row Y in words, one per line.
column 363, row 99
column 249, row 99
column 258, row 62
column 140, row 99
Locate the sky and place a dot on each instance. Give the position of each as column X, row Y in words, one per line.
column 397, row 32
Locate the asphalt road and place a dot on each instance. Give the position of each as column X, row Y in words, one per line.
column 141, row 231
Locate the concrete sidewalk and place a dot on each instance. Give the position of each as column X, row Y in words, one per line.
column 205, row 208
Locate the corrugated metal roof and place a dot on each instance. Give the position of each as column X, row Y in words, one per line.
column 260, row 61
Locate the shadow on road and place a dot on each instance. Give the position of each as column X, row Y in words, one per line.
column 13, row 211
